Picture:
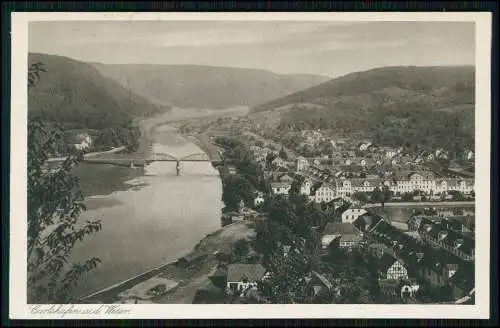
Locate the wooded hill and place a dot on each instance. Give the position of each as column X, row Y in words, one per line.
column 196, row 86
column 418, row 106
column 75, row 94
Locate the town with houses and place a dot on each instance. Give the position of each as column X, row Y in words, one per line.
column 244, row 181
column 426, row 256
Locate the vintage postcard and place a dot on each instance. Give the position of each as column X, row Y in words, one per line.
column 250, row 165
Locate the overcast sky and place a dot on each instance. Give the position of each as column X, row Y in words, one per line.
column 327, row 48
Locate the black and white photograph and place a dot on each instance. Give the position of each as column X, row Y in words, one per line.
column 254, row 162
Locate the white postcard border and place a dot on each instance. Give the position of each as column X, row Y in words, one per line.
column 19, row 309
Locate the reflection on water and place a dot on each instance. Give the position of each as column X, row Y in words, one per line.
column 156, row 223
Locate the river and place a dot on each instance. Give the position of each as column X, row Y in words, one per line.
column 160, row 219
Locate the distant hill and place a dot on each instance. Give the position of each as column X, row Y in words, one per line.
column 421, row 106
column 75, row 93
column 195, row 86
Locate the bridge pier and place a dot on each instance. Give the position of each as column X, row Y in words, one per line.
column 178, row 168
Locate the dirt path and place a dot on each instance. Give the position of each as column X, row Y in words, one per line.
column 184, row 294
column 190, row 279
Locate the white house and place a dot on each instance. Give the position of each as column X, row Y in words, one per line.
column 388, row 266
column 350, row 240
column 280, row 188
column 278, row 161
column 350, row 215
column 305, row 188
column 259, row 199
column 409, row 289
column 254, row 148
column 82, row 141
column 390, row 153
column 344, row 187
column 365, row 146
column 240, row 277
column 260, row 155
column 396, row 271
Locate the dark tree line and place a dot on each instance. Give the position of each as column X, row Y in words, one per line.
column 293, row 222
column 249, row 177
column 54, row 205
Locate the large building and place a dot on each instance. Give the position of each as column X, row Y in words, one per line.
column 423, row 181
column 426, row 182
column 324, row 194
column 347, row 187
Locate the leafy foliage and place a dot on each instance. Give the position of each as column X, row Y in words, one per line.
column 360, row 196
column 240, row 251
column 286, row 284
column 283, row 155
column 250, row 174
column 297, row 182
column 54, row 205
column 235, row 189
column 352, row 275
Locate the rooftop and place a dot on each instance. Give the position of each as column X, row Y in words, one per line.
column 334, row 228
column 239, row 271
column 351, row 238
column 280, row 184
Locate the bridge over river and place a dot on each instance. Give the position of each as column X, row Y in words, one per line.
column 140, row 160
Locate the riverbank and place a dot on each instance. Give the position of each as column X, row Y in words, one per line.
column 105, row 178
column 189, row 273
column 88, row 155
column 193, row 212
column 203, row 141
